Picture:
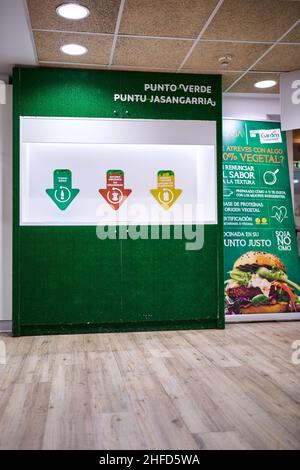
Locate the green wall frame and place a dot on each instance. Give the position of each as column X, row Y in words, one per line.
column 64, row 277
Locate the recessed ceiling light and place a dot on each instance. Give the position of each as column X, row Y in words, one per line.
column 265, row 84
column 72, row 11
column 73, row 49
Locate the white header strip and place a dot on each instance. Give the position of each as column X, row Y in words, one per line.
column 117, row 131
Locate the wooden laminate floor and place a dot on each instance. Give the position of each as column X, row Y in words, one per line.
column 232, row 389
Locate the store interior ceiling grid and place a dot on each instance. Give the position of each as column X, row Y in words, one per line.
column 183, row 36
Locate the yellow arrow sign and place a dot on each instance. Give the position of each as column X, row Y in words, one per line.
column 166, row 194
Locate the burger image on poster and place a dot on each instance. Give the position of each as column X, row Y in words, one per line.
column 258, row 283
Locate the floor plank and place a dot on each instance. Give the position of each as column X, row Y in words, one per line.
column 213, row 389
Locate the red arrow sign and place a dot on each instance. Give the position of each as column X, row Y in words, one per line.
column 115, row 193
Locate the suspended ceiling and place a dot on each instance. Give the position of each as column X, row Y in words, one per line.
column 183, row 36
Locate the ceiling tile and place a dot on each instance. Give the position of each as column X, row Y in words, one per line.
column 294, row 35
column 246, row 84
column 253, row 20
column 184, row 18
column 157, row 53
column 102, row 18
column 198, row 72
column 143, row 69
column 206, row 54
column 283, row 58
column 227, row 77
column 48, row 47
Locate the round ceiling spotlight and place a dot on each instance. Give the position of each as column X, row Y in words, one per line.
column 73, row 49
column 72, row 11
column 265, row 84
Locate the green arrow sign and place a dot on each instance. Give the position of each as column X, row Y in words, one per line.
column 62, row 193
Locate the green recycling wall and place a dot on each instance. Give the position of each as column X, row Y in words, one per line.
column 65, row 279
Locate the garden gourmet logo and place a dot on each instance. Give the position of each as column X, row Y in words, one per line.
column 267, row 136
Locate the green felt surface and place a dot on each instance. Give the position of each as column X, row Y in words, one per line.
column 66, row 279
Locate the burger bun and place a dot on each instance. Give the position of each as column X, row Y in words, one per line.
column 279, row 307
column 259, row 258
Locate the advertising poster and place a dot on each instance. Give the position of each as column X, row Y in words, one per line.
column 262, row 271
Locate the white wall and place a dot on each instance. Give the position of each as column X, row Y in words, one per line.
column 6, row 207
column 251, row 106
column 16, row 37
